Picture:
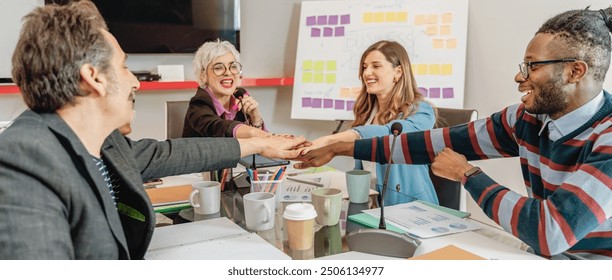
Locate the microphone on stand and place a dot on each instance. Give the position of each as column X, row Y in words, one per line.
column 238, row 94
column 396, row 129
column 380, row 241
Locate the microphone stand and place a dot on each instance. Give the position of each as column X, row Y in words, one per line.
column 238, row 94
column 382, row 224
column 380, row 241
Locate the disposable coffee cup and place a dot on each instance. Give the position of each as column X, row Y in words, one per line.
column 299, row 222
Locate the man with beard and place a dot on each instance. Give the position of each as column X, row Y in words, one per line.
column 71, row 185
column 562, row 133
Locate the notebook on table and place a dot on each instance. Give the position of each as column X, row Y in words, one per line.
column 214, row 239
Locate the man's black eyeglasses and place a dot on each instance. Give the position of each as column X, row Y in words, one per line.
column 524, row 66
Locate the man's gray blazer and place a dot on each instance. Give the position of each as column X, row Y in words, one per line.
column 54, row 203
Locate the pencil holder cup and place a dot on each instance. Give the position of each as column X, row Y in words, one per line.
column 264, row 184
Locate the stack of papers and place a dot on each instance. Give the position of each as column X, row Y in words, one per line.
column 418, row 219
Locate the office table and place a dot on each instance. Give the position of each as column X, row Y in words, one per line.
column 329, row 241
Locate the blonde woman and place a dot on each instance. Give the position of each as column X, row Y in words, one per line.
column 389, row 94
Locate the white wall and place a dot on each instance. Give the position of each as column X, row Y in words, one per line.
column 498, row 33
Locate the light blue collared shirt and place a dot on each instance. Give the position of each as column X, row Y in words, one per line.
column 574, row 119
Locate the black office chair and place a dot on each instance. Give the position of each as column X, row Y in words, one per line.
column 175, row 118
column 449, row 192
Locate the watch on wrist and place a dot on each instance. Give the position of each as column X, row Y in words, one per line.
column 473, row 171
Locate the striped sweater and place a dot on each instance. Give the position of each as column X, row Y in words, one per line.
column 569, row 183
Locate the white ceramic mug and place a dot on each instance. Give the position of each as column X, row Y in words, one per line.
column 259, row 210
column 205, row 198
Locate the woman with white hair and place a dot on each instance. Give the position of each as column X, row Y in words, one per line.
column 213, row 110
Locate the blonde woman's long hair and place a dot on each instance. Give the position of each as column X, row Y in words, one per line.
column 405, row 95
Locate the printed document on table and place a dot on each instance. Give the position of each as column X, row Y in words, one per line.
column 423, row 221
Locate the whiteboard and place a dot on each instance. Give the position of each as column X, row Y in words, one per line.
column 11, row 13
column 334, row 34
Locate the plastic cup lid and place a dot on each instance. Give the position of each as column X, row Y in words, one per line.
column 299, row 212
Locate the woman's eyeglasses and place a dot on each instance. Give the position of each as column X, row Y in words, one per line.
column 234, row 67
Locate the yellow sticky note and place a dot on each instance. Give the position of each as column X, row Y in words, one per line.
column 331, row 65
column 447, row 18
column 318, row 78
column 445, row 30
column 447, row 69
column 438, row 43
column 432, row 30
column 432, row 19
column 451, row 43
column 422, row 69
column 330, row 78
column 306, row 77
column 420, row 19
column 307, row 65
column 368, row 17
column 434, row 69
column 379, row 17
column 390, row 16
column 402, row 16
column 319, row 65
